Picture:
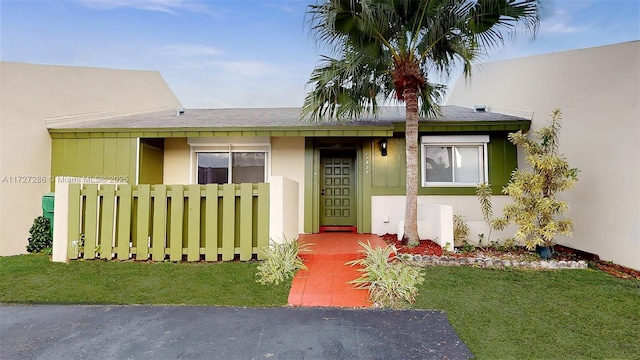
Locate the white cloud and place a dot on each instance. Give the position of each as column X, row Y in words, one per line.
column 284, row 8
column 246, row 67
column 560, row 21
column 167, row 6
column 189, row 50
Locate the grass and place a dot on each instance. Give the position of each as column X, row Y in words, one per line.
column 35, row 279
column 518, row 314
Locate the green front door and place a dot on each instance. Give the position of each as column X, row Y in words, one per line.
column 337, row 188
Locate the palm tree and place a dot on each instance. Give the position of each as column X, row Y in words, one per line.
column 385, row 49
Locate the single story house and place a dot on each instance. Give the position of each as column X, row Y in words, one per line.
column 348, row 175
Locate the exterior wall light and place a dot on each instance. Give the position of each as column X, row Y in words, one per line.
column 383, row 147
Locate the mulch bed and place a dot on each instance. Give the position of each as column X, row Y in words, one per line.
column 426, row 247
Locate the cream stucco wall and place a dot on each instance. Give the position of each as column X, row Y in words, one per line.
column 598, row 91
column 287, row 159
column 31, row 94
column 388, row 211
column 177, row 161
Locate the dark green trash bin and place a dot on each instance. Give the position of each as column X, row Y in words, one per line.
column 48, row 200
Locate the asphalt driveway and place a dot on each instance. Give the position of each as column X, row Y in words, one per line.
column 181, row 332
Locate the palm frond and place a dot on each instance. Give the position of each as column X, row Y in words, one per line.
column 375, row 41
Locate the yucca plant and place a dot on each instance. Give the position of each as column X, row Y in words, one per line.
column 535, row 208
column 282, row 261
column 391, row 281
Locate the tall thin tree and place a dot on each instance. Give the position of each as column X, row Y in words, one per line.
column 385, row 49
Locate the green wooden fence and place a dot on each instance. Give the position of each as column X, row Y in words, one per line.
column 176, row 222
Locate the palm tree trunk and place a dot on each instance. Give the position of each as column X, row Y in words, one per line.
column 411, row 138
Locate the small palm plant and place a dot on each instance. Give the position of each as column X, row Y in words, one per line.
column 282, row 261
column 390, row 280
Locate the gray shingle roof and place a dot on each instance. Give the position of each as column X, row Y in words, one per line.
column 267, row 117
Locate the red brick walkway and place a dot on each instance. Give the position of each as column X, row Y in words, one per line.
column 325, row 281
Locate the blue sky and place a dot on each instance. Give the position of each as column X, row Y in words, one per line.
column 221, row 54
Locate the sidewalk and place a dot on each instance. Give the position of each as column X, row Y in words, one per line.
column 325, row 283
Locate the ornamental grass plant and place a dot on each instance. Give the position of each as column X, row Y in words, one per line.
column 282, row 261
column 391, row 282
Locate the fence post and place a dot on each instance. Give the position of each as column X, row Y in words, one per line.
column 124, row 222
column 264, row 218
column 158, row 239
column 61, row 222
column 73, row 221
column 228, row 221
column 107, row 214
column 90, row 220
column 193, row 230
column 144, row 212
column 211, row 222
column 177, row 212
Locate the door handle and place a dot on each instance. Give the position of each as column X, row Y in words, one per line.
column 322, row 192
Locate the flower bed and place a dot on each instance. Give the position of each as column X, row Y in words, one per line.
column 429, row 253
column 433, row 260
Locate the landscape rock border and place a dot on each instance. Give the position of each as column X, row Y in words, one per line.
column 485, row 262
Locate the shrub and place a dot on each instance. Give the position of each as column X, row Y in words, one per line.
column 282, row 261
column 40, row 235
column 390, row 280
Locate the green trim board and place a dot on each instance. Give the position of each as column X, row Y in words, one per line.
column 316, row 131
column 467, row 126
column 319, row 131
column 310, row 186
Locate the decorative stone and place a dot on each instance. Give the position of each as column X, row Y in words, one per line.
column 544, row 264
column 506, row 263
column 417, row 258
column 488, row 263
column 553, row 265
column 562, row 264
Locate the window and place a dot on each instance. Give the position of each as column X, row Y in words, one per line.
column 240, row 167
column 229, row 163
column 454, row 160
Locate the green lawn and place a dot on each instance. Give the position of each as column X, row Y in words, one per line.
column 567, row 314
column 517, row 314
column 34, row 279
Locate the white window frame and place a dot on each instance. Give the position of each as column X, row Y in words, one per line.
column 480, row 141
column 229, row 146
